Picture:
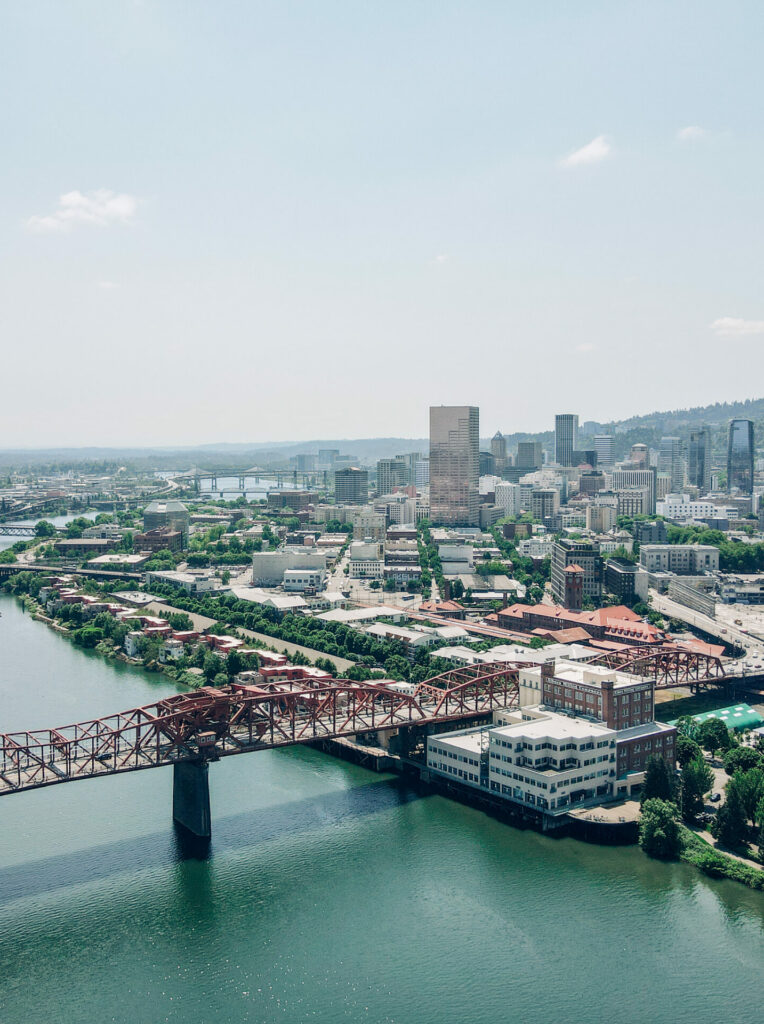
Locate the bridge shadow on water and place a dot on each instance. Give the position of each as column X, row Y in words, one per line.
column 234, row 832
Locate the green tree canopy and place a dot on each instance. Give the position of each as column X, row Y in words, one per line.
column 697, row 779
column 658, row 829
column 714, row 735
column 742, row 759
column 658, row 783
column 686, row 750
column 730, row 824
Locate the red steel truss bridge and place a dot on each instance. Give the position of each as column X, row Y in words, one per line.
column 669, row 668
column 191, row 729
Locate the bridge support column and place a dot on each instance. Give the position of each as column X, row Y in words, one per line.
column 191, row 797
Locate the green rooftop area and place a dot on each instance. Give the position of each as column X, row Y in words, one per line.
column 737, row 717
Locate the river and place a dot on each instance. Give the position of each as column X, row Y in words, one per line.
column 330, row 894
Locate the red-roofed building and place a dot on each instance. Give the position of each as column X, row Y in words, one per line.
column 616, row 623
column 446, row 609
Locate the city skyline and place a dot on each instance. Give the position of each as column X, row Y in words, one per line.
column 155, row 243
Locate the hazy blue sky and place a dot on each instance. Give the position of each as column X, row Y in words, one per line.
column 250, row 221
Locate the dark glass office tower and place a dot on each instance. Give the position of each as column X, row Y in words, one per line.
column 699, row 466
column 740, row 456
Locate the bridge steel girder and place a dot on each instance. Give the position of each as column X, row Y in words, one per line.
column 668, row 669
column 211, row 723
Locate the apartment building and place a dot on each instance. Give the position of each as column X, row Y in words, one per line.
column 684, row 559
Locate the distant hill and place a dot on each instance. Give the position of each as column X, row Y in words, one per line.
column 647, row 429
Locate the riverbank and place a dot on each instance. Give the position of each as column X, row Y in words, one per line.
column 695, row 850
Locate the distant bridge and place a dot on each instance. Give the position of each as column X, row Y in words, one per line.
column 17, row 531
column 190, row 730
column 312, row 478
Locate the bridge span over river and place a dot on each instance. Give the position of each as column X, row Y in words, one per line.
column 190, row 730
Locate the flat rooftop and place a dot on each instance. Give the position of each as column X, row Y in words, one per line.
column 554, row 726
column 593, row 675
column 468, row 742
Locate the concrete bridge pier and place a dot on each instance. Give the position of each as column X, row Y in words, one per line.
column 191, row 797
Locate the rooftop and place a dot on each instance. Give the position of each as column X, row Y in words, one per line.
column 551, row 725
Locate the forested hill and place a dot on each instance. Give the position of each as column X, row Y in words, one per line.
column 678, row 420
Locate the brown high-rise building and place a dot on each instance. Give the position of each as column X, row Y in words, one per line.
column 454, row 465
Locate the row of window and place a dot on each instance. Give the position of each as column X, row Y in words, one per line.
column 454, row 757
column 450, row 769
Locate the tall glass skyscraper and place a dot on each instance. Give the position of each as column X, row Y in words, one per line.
column 671, row 462
column 565, row 438
column 740, row 456
column 699, row 465
column 454, row 465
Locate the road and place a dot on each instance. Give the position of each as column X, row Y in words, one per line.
column 726, row 633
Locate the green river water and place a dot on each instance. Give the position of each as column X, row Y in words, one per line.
column 330, row 894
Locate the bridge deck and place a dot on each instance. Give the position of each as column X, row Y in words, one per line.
column 213, row 723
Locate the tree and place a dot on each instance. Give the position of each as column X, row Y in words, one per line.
column 687, row 726
column 730, row 824
column 658, row 829
column 742, row 759
column 397, row 667
column 88, row 636
column 714, row 735
column 221, row 679
column 211, row 666
column 697, row 779
column 234, row 663
column 686, row 750
column 751, row 789
column 44, row 529
column 658, row 784
column 180, row 622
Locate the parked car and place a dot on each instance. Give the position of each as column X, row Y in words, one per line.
column 715, row 798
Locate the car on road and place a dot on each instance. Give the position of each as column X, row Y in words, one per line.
column 715, row 798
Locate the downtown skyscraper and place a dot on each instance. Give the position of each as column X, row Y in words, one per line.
column 740, row 456
column 565, row 438
column 454, row 465
column 699, row 462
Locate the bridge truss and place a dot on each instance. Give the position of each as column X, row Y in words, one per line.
column 669, row 668
column 211, row 723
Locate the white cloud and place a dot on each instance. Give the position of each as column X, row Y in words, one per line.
column 594, row 151
column 585, row 346
column 107, row 286
column 440, row 258
column 99, row 208
column 736, row 326
column 692, row 133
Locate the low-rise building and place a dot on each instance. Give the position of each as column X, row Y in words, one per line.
column 163, row 538
column 192, row 583
column 268, row 567
column 293, row 499
column 366, row 560
column 85, row 545
column 299, row 580
column 682, row 559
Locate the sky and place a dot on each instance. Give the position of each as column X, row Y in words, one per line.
column 260, row 221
